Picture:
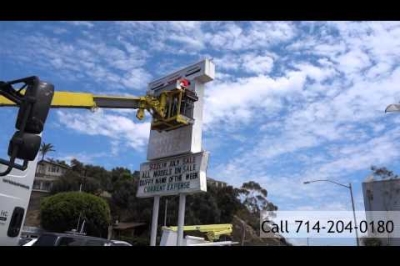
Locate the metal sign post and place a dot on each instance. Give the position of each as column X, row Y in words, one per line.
column 181, row 219
column 154, row 221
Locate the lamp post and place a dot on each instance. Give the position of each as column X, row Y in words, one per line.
column 351, row 195
column 392, row 108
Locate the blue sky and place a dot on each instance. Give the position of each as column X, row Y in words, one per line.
column 292, row 101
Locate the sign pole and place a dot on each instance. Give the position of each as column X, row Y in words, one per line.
column 181, row 218
column 154, row 222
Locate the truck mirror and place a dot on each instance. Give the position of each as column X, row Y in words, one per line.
column 25, row 145
column 35, row 107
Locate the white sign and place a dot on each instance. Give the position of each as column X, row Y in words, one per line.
column 185, row 139
column 174, row 175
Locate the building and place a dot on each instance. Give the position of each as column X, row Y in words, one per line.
column 382, row 196
column 46, row 173
column 216, row 183
column 126, row 230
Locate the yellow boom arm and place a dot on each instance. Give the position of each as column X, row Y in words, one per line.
column 213, row 231
column 170, row 110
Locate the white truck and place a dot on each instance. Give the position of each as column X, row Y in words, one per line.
column 17, row 178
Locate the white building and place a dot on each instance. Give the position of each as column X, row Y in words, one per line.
column 382, row 195
column 216, row 183
column 46, row 173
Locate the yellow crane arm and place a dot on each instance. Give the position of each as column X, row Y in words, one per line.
column 170, row 109
column 64, row 99
column 213, row 231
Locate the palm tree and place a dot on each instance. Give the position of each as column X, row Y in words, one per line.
column 46, row 148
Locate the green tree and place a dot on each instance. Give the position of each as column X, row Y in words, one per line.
column 255, row 198
column 202, row 208
column 72, row 181
column 61, row 213
column 227, row 202
column 46, row 148
column 383, row 173
column 128, row 206
column 100, row 174
column 371, row 241
column 61, row 162
column 77, row 167
column 118, row 176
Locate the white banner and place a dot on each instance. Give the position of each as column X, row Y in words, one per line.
column 173, row 175
column 330, row 224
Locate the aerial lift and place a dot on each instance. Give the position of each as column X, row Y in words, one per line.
column 171, row 107
column 213, row 233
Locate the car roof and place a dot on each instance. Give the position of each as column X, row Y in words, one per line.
column 73, row 235
column 120, row 241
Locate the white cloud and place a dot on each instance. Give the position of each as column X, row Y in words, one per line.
column 355, row 60
column 83, row 157
column 184, row 26
column 379, row 71
column 118, row 66
column 351, row 158
column 188, row 41
column 117, row 128
column 228, row 62
column 257, row 64
column 233, row 102
column 137, row 79
column 115, row 147
column 332, row 119
column 226, row 36
column 317, row 74
column 255, row 35
column 82, row 23
column 166, row 35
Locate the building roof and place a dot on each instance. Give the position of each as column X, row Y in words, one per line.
column 123, row 226
column 213, row 180
column 53, row 163
column 381, row 180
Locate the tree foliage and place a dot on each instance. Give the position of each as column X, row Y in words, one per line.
column 46, row 148
column 61, row 213
column 371, row 241
column 254, row 197
column 72, row 181
column 218, row 205
column 383, row 173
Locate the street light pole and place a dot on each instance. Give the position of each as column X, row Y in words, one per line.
column 354, row 213
column 352, row 200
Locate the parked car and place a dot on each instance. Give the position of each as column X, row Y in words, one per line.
column 25, row 240
column 30, row 243
column 58, row 239
column 119, row 243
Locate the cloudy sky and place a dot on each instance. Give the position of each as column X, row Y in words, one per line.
column 292, row 101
